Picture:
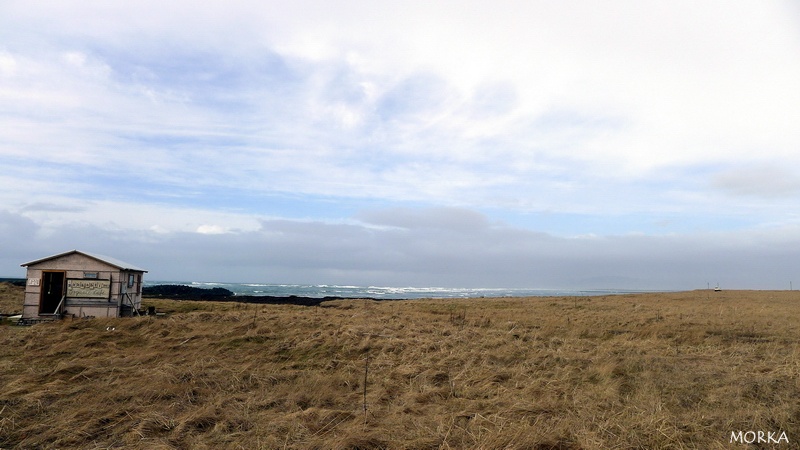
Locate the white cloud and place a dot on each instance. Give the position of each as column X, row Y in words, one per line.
column 53, row 213
column 164, row 118
column 8, row 64
column 692, row 84
column 212, row 229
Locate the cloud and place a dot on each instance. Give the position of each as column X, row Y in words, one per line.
column 450, row 219
column 210, row 229
column 442, row 252
column 764, row 181
column 15, row 228
column 51, row 207
column 680, row 76
column 498, row 129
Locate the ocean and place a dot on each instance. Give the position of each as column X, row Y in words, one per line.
column 388, row 293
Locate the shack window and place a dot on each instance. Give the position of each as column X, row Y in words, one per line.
column 131, row 279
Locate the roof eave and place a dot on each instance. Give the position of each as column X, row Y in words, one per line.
column 88, row 255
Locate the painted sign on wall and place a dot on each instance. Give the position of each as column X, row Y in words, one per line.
column 88, row 288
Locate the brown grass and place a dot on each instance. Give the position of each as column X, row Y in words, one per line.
column 648, row 371
column 10, row 298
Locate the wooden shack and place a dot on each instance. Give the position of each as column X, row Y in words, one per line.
column 81, row 284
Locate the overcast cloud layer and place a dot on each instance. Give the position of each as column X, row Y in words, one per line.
column 470, row 144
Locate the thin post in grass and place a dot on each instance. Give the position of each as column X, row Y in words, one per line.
column 366, row 373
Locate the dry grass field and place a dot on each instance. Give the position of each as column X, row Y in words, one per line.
column 10, row 298
column 645, row 371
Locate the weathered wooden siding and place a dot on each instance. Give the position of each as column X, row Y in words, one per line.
column 75, row 266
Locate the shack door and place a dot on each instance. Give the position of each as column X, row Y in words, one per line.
column 52, row 292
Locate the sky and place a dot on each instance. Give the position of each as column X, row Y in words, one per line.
column 530, row 144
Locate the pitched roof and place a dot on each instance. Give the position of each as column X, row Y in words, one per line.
column 106, row 259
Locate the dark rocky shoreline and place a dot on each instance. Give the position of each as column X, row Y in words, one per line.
column 14, row 281
column 217, row 294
